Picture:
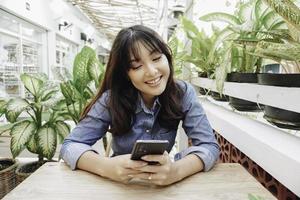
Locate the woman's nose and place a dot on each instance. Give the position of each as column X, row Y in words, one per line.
column 151, row 70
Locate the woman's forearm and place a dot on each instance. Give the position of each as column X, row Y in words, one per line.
column 92, row 162
column 187, row 166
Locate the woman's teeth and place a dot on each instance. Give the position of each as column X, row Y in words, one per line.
column 154, row 81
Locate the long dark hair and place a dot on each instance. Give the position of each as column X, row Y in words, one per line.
column 122, row 94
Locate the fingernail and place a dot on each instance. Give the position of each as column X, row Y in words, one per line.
column 145, row 157
column 130, row 176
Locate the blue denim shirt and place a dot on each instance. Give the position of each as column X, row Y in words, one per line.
column 95, row 125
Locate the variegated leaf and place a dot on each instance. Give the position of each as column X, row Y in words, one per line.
column 5, row 129
column 46, row 140
column 219, row 16
column 80, row 69
column 52, row 101
column 11, row 116
column 20, row 135
column 94, row 67
column 32, row 84
column 17, row 105
column 62, row 130
column 3, row 104
column 32, row 145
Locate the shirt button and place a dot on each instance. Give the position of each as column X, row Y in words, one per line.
column 147, row 131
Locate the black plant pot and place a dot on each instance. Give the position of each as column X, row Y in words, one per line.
column 242, row 77
column 283, row 80
column 203, row 91
column 243, row 105
column 282, row 118
column 240, row 104
column 277, row 116
column 218, row 97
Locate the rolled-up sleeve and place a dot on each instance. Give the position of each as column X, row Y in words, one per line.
column 87, row 132
column 198, row 130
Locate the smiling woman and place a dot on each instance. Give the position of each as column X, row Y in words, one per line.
column 140, row 100
column 149, row 73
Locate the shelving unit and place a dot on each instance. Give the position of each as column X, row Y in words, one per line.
column 280, row 97
column 272, row 148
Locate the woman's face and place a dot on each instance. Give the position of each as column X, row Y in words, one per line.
column 149, row 74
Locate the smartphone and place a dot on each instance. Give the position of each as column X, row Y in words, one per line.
column 148, row 147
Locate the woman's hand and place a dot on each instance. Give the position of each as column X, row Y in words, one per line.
column 121, row 168
column 163, row 173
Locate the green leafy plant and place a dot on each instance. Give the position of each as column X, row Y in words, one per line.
column 289, row 48
column 87, row 76
column 178, row 53
column 252, row 22
column 204, row 49
column 35, row 123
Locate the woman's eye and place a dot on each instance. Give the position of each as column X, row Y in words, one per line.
column 136, row 67
column 157, row 58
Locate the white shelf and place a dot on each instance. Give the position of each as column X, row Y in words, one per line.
column 274, row 150
column 287, row 98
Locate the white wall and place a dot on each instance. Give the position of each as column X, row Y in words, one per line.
column 47, row 15
column 203, row 7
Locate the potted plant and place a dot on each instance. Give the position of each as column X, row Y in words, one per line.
column 35, row 123
column 81, row 86
column 245, row 26
column 287, row 55
column 205, row 53
column 178, row 53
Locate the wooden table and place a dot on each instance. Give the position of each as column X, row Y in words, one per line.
column 56, row 181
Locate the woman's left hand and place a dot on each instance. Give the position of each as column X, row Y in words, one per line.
column 163, row 173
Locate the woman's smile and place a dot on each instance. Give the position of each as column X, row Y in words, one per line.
column 154, row 82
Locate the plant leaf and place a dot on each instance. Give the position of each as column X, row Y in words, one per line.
column 62, row 130
column 32, row 145
column 286, row 9
column 219, row 16
column 53, row 101
column 5, row 129
column 20, row 135
column 17, row 105
column 46, row 140
column 32, row 84
column 70, row 92
column 80, row 68
column 3, row 104
column 95, row 68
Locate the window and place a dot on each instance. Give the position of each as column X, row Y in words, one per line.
column 20, row 52
column 65, row 55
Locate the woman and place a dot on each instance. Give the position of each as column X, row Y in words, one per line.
column 139, row 99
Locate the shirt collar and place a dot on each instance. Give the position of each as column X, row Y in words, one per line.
column 142, row 106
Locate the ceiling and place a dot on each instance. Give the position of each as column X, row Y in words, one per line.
column 109, row 16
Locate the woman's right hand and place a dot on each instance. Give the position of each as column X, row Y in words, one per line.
column 121, row 168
